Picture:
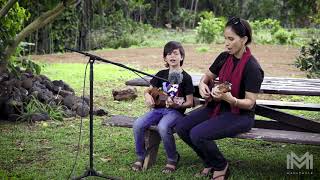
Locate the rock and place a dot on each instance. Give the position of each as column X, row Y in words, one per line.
column 44, row 78
column 100, row 112
column 13, row 117
column 63, row 85
column 48, row 84
column 127, row 93
column 58, row 99
column 4, row 77
column 82, row 111
column 69, row 101
column 68, row 113
column 65, row 93
column 86, row 99
column 39, row 117
column 15, row 93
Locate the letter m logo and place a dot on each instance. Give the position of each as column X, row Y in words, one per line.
column 299, row 162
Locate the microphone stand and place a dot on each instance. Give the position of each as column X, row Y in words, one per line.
column 92, row 58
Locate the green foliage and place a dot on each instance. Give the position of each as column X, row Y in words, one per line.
column 269, row 31
column 309, row 59
column 11, row 24
column 63, row 30
column 284, row 37
column 209, row 28
column 34, row 106
column 183, row 17
column 116, row 31
column 271, row 24
column 18, row 63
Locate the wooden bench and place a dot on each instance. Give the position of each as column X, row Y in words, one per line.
column 152, row 138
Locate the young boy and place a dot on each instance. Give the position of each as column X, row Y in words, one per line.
column 165, row 117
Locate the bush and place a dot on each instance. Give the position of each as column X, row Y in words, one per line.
column 18, row 63
column 270, row 31
column 309, row 59
column 271, row 25
column 209, row 28
column 34, row 106
column 283, row 36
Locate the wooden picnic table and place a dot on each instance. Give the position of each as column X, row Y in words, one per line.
column 270, row 109
column 283, row 127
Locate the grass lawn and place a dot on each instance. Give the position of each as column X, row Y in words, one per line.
column 47, row 150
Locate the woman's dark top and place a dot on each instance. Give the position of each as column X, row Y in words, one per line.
column 251, row 79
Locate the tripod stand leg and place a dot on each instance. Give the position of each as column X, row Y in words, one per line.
column 92, row 172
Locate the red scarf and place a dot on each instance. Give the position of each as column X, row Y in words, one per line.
column 234, row 77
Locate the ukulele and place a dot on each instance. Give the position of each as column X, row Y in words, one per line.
column 160, row 98
column 223, row 87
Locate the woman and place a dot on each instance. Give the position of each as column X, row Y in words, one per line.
column 226, row 113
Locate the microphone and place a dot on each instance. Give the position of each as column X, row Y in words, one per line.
column 175, row 77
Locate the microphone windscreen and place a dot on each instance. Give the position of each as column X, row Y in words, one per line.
column 175, row 77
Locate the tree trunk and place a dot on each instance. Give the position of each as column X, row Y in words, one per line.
column 7, row 7
column 38, row 23
column 85, row 25
column 191, row 7
column 240, row 8
column 195, row 13
column 157, row 13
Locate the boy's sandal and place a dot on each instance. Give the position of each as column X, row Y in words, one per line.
column 137, row 166
column 169, row 169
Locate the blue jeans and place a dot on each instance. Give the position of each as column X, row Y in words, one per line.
column 165, row 119
column 199, row 129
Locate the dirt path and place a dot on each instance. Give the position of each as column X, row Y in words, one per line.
column 276, row 60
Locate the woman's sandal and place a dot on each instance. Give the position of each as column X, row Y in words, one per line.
column 168, row 169
column 137, row 166
column 204, row 174
column 225, row 176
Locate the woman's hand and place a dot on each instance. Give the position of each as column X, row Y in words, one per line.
column 204, row 91
column 228, row 98
column 148, row 100
column 216, row 94
column 219, row 95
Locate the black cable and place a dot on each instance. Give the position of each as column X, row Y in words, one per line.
column 81, row 122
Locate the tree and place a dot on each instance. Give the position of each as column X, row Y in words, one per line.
column 44, row 19
column 86, row 24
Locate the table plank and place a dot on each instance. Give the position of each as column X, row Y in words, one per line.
column 289, row 105
column 270, row 85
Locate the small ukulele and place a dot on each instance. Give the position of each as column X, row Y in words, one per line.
column 159, row 97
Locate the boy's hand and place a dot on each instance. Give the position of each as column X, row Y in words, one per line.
column 148, row 100
column 171, row 104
